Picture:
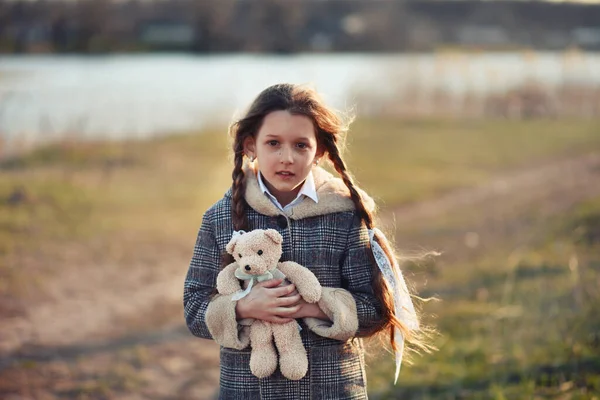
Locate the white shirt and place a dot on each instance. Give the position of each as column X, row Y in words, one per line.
column 308, row 190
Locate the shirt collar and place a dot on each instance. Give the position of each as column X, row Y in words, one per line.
column 308, row 189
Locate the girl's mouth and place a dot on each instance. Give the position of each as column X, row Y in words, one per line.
column 285, row 174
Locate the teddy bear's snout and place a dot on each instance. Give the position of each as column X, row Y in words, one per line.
column 253, row 265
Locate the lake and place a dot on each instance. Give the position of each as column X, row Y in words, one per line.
column 137, row 96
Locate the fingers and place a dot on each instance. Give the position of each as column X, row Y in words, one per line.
column 288, row 300
column 276, row 290
column 295, row 292
column 271, row 283
column 286, row 311
column 284, row 290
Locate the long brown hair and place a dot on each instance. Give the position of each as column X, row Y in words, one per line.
column 330, row 130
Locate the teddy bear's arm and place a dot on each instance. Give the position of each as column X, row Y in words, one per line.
column 306, row 282
column 227, row 283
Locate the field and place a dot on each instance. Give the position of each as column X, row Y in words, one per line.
column 95, row 239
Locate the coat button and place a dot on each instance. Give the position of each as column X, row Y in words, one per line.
column 282, row 222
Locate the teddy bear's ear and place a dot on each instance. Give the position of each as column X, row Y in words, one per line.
column 274, row 236
column 234, row 237
column 231, row 245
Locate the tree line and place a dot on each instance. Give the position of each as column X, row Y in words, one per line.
column 290, row 26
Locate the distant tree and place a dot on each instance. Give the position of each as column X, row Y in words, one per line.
column 60, row 35
column 213, row 20
column 92, row 18
column 276, row 25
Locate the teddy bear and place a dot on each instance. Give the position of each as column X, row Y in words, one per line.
column 257, row 255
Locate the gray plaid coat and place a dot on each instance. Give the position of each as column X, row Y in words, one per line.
column 328, row 238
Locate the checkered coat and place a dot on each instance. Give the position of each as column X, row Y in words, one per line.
column 326, row 237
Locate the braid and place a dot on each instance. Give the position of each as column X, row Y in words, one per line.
column 340, row 167
column 238, row 202
column 381, row 289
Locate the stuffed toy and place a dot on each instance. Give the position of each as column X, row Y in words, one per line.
column 257, row 255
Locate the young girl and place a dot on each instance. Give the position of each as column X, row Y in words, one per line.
column 327, row 226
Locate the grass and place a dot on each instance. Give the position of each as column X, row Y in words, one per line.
column 123, row 183
column 513, row 324
column 77, row 209
column 416, row 159
column 513, row 327
column 154, row 192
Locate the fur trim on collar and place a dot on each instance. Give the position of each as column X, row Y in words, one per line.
column 333, row 194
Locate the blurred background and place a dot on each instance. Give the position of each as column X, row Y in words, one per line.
column 477, row 131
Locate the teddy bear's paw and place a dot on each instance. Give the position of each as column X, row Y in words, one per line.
column 293, row 365
column 311, row 294
column 263, row 361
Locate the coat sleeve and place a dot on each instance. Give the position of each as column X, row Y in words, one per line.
column 353, row 309
column 206, row 316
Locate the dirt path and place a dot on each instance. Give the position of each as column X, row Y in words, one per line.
column 518, row 188
column 465, row 223
column 105, row 334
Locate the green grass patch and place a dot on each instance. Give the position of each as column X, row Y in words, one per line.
column 103, row 201
column 512, row 327
column 402, row 161
column 131, row 193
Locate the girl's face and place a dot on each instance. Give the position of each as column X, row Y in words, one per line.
column 285, row 148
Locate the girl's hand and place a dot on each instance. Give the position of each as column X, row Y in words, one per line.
column 309, row 310
column 268, row 302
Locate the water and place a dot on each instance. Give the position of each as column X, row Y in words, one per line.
column 50, row 97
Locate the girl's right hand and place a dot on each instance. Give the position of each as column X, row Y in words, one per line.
column 268, row 302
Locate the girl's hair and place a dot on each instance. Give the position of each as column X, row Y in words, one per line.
column 330, row 131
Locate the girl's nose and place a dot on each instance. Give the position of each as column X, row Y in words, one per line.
column 286, row 156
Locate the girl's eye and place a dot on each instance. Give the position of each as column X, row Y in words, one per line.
column 272, row 142
column 239, row 255
column 302, row 145
column 260, row 252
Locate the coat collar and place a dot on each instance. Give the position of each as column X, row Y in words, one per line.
column 333, row 194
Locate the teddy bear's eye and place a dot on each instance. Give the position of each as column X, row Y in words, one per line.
column 260, row 252
column 239, row 255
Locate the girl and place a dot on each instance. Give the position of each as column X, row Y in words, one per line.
column 327, row 226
